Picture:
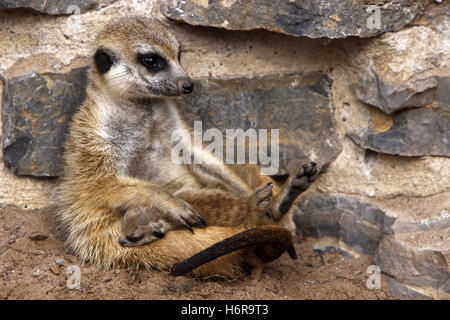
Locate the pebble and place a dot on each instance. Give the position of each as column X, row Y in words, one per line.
column 55, row 269
column 36, row 273
column 60, row 261
column 12, row 239
column 37, row 236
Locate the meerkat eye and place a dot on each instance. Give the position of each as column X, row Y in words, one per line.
column 153, row 62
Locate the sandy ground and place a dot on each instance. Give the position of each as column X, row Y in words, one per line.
column 34, row 263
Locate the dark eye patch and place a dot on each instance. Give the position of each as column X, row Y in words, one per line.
column 153, row 62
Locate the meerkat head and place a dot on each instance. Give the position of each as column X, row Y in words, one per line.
column 140, row 227
column 138, row 58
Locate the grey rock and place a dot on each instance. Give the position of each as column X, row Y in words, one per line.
column 415, row 132
column 399, row 290
column 366, row 229
column 359, row 224
column 435, row 13
column 443, row 92
column 12, row 239
column 440, row 222
column 310, row 18
column 55, row 7
column 404, row 69
column 299, row 105
column 427, row 269
column 35, row 114
column 320, row 250
column 374, row 89
column 37, row 236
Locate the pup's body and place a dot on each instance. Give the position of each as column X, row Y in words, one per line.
column 217, row 207
column 118, row 159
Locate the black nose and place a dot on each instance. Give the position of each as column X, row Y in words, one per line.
column 158, row 234
column 187, row 87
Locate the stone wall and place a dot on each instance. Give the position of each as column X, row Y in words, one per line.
column 366, row 98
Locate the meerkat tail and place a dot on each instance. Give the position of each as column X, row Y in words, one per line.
column 277, row 237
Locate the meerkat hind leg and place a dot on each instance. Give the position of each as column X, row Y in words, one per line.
column 297, row 182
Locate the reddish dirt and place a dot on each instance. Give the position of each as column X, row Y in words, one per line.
column 29, row 270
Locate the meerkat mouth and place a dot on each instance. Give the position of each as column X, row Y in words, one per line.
column 166, row 93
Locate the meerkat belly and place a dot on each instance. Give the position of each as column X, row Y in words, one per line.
column 149, row 158
column 154, row 164
column 142, row 146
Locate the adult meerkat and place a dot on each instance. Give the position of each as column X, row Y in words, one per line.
column 118, row 158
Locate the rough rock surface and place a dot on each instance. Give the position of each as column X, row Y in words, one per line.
column 286, row 102
column 35, row 114
column 391, row 76
column 350, row 226
column 417, row 132
column 399, row 290
column 440, row 222
column 424, row 269
column 394, row 78
column 443, row 92
column 312, row 18
column 356, row 223
column 55, row 6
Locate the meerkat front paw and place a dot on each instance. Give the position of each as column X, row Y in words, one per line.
column 262, row 196
column 259, row 203
column 179, row 213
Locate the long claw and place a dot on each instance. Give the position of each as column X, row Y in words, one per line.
column 202, row 221
column 187, row 225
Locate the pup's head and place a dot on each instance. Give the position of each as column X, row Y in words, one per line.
column 137, row 58
column 140, row 227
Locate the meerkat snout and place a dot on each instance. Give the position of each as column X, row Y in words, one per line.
column 187, row 86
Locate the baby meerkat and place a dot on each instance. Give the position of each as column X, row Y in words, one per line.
column 141, row 227
column 117, row 161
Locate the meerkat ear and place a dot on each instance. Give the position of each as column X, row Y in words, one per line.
column 104, row 59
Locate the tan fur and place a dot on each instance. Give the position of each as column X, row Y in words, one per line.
column 117, row 158
column 216, row 207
